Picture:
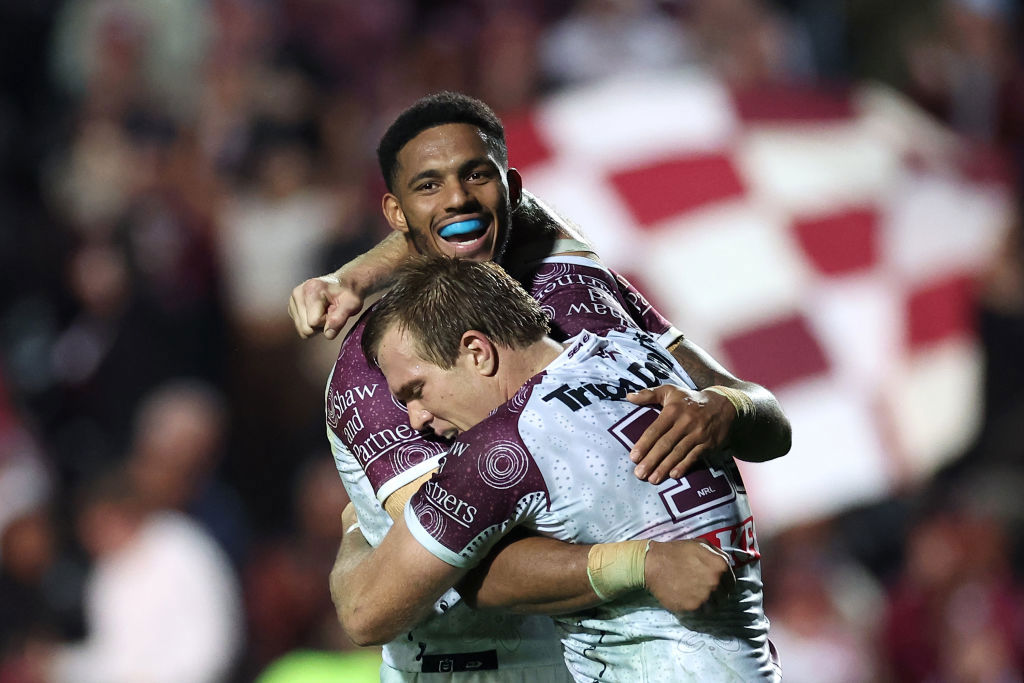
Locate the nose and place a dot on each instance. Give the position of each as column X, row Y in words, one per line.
column 459, row 197
column 419, row 418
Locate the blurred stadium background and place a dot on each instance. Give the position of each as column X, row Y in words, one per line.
column 824, row 194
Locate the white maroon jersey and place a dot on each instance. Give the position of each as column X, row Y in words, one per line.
column 376, row 453
column 554, row 459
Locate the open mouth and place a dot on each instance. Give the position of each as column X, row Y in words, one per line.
column 463, row 232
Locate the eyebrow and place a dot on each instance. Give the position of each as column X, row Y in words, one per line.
column 431, row 173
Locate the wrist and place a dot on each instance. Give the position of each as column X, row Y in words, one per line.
column 350, row 277
column 741, row 402
column 617, row 568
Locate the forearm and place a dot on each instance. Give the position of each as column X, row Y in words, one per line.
column 371, row 271
column 531, row 575
column 760, row 434
column 351, row 552
column 522, row 574
column 565, row 578
column 379, row 593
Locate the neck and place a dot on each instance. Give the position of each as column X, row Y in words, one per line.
column 521, row 365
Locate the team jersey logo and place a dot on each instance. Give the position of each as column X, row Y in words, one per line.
column 440, row 500
column 627, row 431
column 504, row 465
column 699, row 491
column 340, row 401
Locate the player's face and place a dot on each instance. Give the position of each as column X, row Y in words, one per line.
column 452, row 195
column 444, row 401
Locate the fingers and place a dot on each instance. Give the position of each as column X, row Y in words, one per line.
column 643, row 397
column 343, row 307
column 651, row 436
column 297, row 314
column 665, row 432
column 675, row 451
column 322, row 303
column 726, row 577
column 688, row 427
column 666, row 455
column 680, row 460
column 307, row 307
column 689, row 575
column 720, row 555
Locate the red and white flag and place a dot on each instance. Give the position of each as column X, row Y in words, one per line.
column 823, row 244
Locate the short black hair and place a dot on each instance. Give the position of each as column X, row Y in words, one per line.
column 437, row 110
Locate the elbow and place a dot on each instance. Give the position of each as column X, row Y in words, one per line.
column 363, row 628
column 364, row 623
column 356, row 615
column 783, row 438
column 365, row 632
column 779, row 445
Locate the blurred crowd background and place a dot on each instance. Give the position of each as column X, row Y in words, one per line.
column 170, row 169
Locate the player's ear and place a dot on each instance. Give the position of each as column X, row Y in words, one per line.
column 515, row 187
column 478, row 352
column 394, row 214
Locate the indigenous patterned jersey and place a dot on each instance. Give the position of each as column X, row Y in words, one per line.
column 554, row 459
column 377, row 452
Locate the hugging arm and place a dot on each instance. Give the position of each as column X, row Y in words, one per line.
column 725, row 412
column 327, row 302
column 380, row 593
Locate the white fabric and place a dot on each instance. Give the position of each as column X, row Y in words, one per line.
column 575, row 430
column 165, row 609
column 268, row 246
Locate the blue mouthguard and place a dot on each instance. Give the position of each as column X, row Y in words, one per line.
column 460, row 228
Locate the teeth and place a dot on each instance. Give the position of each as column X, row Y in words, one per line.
column 461, row 228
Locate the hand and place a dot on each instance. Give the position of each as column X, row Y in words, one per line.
column 686, row 575
column 691, row 423
column 326, row 303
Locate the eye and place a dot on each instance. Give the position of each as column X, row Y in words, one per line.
column 428, row 186
column 412, row 393
column 480, row 174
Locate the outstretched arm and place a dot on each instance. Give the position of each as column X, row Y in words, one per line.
column 327, row 302
column 726, row 413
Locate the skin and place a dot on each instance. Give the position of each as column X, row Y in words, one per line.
column 431, row 393
column 445, row 175
column 693, row 423
column 373, row 591
column 376, row 601
column 448, row 174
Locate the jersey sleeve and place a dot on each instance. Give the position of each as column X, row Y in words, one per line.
column 364, row 418
column 488, row 483
column 647, row 317
column 578, row 294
